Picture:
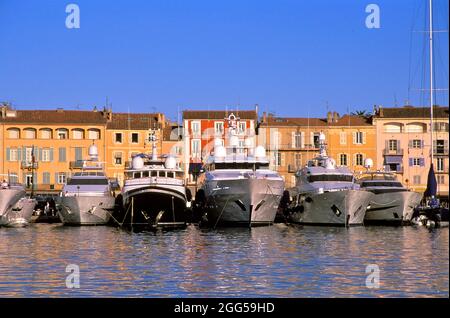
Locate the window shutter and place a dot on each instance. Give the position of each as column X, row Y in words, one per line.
column 7, row 155
column 421, row 144
column 51, row 154
column 386, row 145
column 411, row 162
column 446, row 145
column 354, row 137
column 40, row 154
column 422, row 162
column 293, row 140
column 302, row 139
column 410, row 144
column 434, row 145
column 19, row 154
column 364, row 135
column 311, row 139
column 283, row 159
column 56, row 177
column 398, row 145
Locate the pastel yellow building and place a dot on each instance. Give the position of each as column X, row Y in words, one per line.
column 404, row 145
column 59, row 141
column 291, row 142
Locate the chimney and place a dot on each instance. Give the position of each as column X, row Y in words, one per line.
column 329, row 118
column 264, row 119
column 257, row 110
column 380, row 111
column 59, row 110
column 335, row 117
column 95, row 109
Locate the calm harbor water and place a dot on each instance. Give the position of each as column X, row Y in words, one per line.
column 274, row 261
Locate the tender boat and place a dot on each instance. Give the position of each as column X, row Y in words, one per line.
column 326, row 194
column 237, row 188
column 87, row 197
column 393, row 203
column 154, row 194
column 16, row 208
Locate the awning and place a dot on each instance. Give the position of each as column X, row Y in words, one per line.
column 194, row 168
column 393, row 159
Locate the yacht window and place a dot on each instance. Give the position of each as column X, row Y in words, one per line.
column 179, row 174
column 381, row 184
column 137, row 175
column 170, row 175
column 154, row 173
column 84, row 181
column 330, row 177
column 145, row 174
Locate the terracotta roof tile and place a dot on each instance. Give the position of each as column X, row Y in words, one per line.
column 56, row 117
column 135, row 121
column 345, row 120
column 218, row 114
column 412, row 112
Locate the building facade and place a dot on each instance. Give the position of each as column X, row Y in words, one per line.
column 42, row 148
column 202, row 128
column 404, row 144
column 292, row 142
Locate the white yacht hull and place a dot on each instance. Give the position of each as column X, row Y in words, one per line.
column 15, row 208
column 337, row 208
column 242, row 202
column 85, row 210
column 392, row 207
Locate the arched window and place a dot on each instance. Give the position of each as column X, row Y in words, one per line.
column 393, row 127
column 78, row 133
column 45, row 133
column 416, row 128
column 93, row 134
column 13, row 133
column 62, row 133
column 29, row 133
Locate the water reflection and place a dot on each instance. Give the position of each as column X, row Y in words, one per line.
column 275, row 261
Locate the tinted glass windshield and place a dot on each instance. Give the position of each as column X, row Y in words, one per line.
column 86, row 181
column 240, row 165
column 330, row 177
column 381, row 184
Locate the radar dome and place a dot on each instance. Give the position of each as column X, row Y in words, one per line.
column 248, row 142
column 93, row 151
column 368, row 163
column 220, row 151
column 234, row 141
column 137, row 163
column 260, row 152
column 322, row 136
column 171, row 163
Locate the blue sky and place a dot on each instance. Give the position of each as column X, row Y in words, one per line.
column 292, row 58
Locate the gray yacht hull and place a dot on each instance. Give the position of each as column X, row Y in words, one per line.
column 394, row 208
column 336, row 208
column 242, row 202
column 15, row 208
column 85, row 210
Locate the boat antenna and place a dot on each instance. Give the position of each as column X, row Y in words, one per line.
column 152, row 138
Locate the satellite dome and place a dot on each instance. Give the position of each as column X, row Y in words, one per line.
column 368, row 163
column 234, row 141
column 260, row 152
column 171, row 163
column 93, row 151
column 137, row 163
column 220, row 151
column 248, row 142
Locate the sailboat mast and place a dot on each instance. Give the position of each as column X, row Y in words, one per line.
column 431, row 78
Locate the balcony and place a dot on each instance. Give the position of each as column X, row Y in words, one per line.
column 440, row 152
column 389, row 152
column 78, row 164
column 28, row 165
column 293, row 168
